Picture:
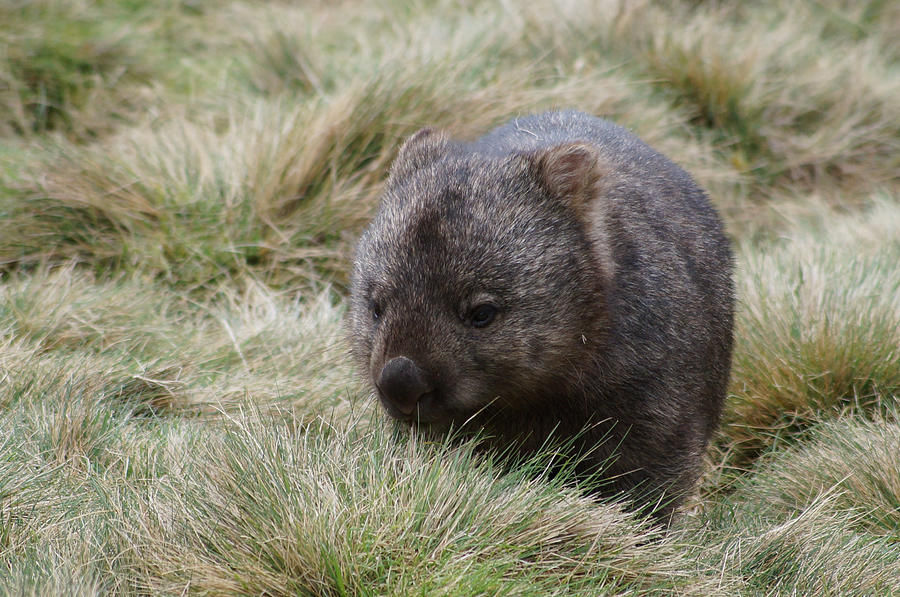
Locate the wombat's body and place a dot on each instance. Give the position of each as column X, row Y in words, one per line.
column 555, row 278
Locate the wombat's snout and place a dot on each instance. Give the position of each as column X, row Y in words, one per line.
column 403, row 383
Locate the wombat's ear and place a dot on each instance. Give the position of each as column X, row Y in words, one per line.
column 421, row 149
column 570, row 172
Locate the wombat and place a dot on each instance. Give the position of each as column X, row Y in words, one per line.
column 556, row 278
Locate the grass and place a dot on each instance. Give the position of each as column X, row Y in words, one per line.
column 80, row 68
column 819, row 330
column 181, row 184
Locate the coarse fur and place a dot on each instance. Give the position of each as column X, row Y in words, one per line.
column 555, row 278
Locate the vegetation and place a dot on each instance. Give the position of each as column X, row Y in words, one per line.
column 181, row 183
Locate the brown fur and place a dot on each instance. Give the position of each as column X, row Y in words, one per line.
column 557, row 277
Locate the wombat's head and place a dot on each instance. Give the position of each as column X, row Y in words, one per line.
column 476, row 287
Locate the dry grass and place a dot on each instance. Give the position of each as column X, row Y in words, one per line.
column 852, row 463
column 135, row 344
column 818, row 328
column 317, row 511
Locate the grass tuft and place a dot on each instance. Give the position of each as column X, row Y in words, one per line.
column 817, row 336
column 327, row 511
column 79, row 68
column 852, row 463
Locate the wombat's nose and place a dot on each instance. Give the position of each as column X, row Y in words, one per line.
column 402, row 382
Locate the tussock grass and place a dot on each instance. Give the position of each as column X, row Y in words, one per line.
column 322, row 511
column 81, row 68
column 790, row 109
column 180, row 187
column 852, row 464
column 813, row 551
column 818, row 330
column 136, row 345
column 272, row 184
column 818, row 518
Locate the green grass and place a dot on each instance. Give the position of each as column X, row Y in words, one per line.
column 181, row 184
column 81, row 69
column 819, row 331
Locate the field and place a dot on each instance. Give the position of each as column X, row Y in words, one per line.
column 181, row 184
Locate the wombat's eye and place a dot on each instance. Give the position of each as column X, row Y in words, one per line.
column 375, row 308
column 483, row 315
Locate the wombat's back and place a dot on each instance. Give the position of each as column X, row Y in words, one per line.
column 617, row 146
